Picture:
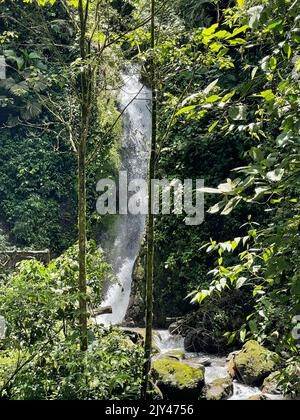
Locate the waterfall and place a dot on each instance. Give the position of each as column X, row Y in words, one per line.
column 135, row 101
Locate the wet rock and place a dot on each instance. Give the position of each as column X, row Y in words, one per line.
column 136, row 335
column 219, row 389
column 199, row 362
column 172, row 354
column 128, row 323
column 270, row 385
column 231, row 368
column 231, row 355
column 177, row 380
column 194, row 363
column 258, row 397
column 205, row 362
column 180, row 355
column 252, row 364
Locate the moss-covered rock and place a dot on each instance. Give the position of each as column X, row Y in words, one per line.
column 270, row 385
column 252, row 364
column 219, row 389
column 177, row 380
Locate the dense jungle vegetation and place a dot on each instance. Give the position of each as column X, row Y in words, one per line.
column 225, row 79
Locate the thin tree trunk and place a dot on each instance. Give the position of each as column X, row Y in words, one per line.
column 82, row 244
column 82, row 195
column 151, row 219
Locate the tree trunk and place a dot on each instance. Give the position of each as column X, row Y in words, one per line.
column 151, row 220
column 82, row 243
column 85, row 88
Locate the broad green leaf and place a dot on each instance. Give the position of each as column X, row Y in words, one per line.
column 213, row 98
column 268, row 95
column 238, row 31
column 216, row 208
column 273, row 63
column 288, row 50
column 241, row 282
column 211, row 30
column 210, row 87
column 186, row 109
column 243, row 334
column 213, row 126
column 230, row 206
column 34, row 56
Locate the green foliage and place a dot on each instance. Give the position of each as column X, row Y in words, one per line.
column 39, row 168
column 108, row 370
column 199, row 13
column 186, row 64
column 40, row 357
column 264, row 106
column 40, row 303
column 37, row 193
column 33, row 57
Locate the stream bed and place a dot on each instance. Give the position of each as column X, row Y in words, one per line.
column 218, row 365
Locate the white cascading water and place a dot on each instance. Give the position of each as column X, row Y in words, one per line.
column 135, row 102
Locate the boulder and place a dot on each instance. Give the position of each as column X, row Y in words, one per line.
column 198, row 362
column 252, row 364
column 205, row 362
column 219, row 389
column 177, row 381
column 258, row 397
column 270, row 385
